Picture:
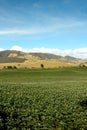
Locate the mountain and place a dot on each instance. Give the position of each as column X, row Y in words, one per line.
column 47, row 56
column 12, row 56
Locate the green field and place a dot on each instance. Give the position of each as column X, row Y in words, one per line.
column 43, row 99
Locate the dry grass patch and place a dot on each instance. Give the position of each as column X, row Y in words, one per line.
column 37, row 64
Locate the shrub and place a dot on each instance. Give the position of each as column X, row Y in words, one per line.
column 42, row 66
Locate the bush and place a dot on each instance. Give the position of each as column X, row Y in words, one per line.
column 42, row 66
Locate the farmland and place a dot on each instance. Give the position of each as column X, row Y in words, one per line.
column 43, row 99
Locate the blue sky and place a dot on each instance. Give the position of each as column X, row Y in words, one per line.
column 44, row 25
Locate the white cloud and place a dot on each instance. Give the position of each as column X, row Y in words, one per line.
column 17, row 31
column 81, row 50
column 28, row 31
column 78, row 53
column 18, row 48
column 51, row 24
column 1, row 49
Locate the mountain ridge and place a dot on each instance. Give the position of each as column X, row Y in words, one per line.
column 19, row 59
column 10, row 56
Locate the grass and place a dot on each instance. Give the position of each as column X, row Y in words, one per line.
column 43, row 99
column 37, row 64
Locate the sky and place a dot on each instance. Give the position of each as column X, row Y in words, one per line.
column 49, row 26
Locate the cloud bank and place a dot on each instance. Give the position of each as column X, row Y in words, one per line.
column 78, row 53
column 1, row 49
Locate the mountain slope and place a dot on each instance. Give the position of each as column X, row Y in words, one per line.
column 10, row 56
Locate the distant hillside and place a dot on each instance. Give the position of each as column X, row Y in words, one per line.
column 10, row 56
column 47, row 56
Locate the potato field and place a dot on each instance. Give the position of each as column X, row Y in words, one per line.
column 43, row 99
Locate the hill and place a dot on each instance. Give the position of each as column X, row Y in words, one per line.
column 11, row 56
column 35, row 59
column 66, row 59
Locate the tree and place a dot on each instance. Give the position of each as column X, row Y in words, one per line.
column 42, row 66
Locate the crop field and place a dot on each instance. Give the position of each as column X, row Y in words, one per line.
column 43, row 99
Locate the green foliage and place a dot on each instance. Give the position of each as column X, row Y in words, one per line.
column 43, row 99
